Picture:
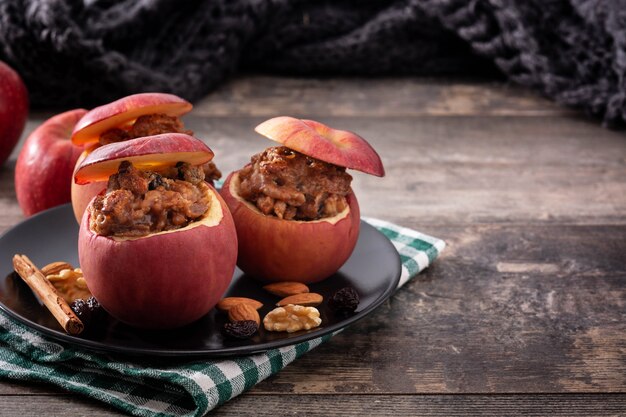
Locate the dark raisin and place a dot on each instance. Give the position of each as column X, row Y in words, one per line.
column 125, row 167
column 344, row 301
column 242, row 329
column 89, row 312
column 157, row 181
column 180, row 165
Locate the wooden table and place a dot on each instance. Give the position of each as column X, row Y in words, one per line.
column 525, row 312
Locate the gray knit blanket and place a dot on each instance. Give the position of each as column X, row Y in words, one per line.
column 86, row 52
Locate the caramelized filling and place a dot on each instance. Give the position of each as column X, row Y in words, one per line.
column 292, row 186
column 156, row 124
column 138, row 203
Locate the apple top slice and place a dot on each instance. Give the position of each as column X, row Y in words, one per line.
column 148, row 153
column 125, row 111
column 338, row 147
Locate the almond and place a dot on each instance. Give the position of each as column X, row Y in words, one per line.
column 309, row 299
column 55, row 268
column 227, row 303
column 285, row 289
column 240, row 312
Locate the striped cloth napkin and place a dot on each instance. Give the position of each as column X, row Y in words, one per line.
column 166, row 389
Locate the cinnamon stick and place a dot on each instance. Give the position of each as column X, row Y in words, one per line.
column 46, row 292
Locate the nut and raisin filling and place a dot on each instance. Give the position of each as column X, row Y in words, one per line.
column 138, row 203
column 156, row 124
column 292, row 186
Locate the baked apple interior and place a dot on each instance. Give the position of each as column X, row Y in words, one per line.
column 290, row 185
column 138, row 203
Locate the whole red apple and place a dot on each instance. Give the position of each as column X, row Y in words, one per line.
column 13, row 109
column 43, row 174
column 273, row 249
column 117, row 114
column 165, row 279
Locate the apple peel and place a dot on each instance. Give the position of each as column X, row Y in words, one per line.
column 125, row 111
column 315, row 139
column 146, row 153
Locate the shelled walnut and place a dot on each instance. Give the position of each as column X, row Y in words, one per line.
column 67, row 280
column 292, row 318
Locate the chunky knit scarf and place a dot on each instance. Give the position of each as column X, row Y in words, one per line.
column 84, row 52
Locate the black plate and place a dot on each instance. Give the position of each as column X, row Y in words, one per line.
column 373, row 269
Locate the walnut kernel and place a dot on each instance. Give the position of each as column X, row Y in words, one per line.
column 70, row 283
column 292, row 318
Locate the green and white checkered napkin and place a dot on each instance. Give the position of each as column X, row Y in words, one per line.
column 181, row 389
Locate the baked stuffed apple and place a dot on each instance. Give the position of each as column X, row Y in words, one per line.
column 158, row 246
column 296, row 215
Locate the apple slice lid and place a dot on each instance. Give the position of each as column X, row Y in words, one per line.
column 148, row 153
column 314, row 139
column 123, row 112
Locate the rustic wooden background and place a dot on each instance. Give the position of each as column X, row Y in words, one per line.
column 523, row 314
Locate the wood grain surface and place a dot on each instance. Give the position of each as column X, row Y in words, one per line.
column 575, row 405
column 523, row 314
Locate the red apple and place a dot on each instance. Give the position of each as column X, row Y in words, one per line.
column 272, row 249
column 125, row 111
column 13, row 109
column 118, row 114
column 338, row 147
column 43, row 173
column 166, row 279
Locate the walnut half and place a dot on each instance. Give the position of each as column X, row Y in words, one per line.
column 70, row 283
column 292, row 318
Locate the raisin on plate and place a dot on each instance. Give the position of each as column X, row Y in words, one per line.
column 88, row 311
column 242, row 329
column 344, row 301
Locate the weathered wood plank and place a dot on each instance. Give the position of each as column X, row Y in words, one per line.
column 427, row 405
column 468, row 170
column 267, row 96
column 13, row 387
column 506, row 309
column 54, row 405
column 355, row 405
